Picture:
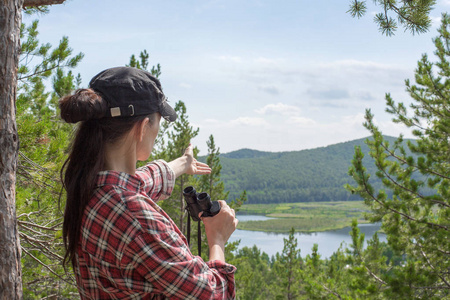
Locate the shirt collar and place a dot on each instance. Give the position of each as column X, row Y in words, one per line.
column 123, row 180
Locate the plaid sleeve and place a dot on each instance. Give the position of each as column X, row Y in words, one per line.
column 168, row 267
column 158, row 178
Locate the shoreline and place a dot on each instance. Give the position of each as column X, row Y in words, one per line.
column 312, row 230
column 304, row 217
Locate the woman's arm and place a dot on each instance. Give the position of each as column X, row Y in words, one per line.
column 159, row 176
column 187, row 164
column 219, row 229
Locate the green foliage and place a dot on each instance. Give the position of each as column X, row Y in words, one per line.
column 179, row 136
column 288, row 268
column 142, row 63
column 416, row 222
column 237, row 203
column 212, row 183
column 43, row 139
column 412, row 15
column 39, row 61
column 254, row 277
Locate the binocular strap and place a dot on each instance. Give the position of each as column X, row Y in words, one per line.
column 199, row 235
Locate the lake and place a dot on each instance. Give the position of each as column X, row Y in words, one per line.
column 328, row 241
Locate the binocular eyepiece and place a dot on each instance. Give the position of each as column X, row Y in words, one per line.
column 200, row 202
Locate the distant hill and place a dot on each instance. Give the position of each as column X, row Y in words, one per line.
column 297, row 176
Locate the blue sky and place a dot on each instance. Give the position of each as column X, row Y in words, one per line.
column 266, row 75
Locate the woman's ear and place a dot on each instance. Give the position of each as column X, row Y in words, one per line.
column 141, row 128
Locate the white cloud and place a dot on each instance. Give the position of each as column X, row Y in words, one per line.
column 295, row 133
column 230, row 58
column 321, row 103
column 436, row 21
column 387, row 127
column 353, row 120
column 211, row 121
column 351, row 82
column 301, row 121
column 266, row 61
column 279, row 108
column 185, row 85
column 249, row 121
column 352, row 63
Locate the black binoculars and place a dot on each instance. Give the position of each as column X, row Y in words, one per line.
column 200, row 202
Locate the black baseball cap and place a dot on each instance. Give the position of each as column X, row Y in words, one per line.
column 131, row 92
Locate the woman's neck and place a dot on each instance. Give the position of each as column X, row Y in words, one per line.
column 121, row 156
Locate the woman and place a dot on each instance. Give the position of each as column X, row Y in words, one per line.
column 119, row 241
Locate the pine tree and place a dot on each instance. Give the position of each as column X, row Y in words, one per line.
column 288, row 267
column 212, row 183
column 416, row 218
column 179, row 136
column 142, row 63
column 238, row 202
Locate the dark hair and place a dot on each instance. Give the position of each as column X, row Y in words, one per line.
column 86, row 157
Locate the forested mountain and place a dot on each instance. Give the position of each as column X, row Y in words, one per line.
column 297, row 176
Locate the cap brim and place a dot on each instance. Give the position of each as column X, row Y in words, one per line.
column 167, row 112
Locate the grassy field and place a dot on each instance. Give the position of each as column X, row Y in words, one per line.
column 304, row 217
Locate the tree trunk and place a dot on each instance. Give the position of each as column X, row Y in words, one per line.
column 10, row 269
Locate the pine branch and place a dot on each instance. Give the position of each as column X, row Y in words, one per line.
column 432, row 267
column 29, row 214
column 46, row 266
column 36, row 232
column 398, row 184
column 40, row 246
column 53, row 228
column 438, row 91
column 34, row 3
column 331, row 291
column 37, row 166
column 38, row 73
column 408, row 217
column 381, row 281
column 442, row 287
column 428, row 170
column 398, row 11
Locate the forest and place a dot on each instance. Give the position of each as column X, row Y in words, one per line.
column 297, row 176
column 404, row 184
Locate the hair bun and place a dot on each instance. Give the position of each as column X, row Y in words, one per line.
column 83, row 105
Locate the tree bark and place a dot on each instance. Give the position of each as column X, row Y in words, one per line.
column 10, row 268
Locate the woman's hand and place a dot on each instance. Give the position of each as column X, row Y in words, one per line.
column 187, row 164
column 219, row 229
column 194, row 167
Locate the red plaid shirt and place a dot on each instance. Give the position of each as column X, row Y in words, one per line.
column 131, row 249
